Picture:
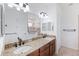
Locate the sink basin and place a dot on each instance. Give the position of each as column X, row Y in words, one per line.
column 22, row 49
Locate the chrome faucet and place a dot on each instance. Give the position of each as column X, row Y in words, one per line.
column 20, row 41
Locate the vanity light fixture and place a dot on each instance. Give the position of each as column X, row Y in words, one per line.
column 10, row 5
column 43, row 15
column 27, row 8
column 20, row 6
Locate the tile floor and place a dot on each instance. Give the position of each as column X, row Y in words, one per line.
column 68, row 52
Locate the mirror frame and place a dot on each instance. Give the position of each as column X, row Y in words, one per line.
column 27, row 23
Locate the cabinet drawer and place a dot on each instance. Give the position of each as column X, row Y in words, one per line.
column 43, row 48
column 35, row 53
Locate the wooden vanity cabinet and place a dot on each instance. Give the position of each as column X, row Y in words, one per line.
column 52, row 47
column 35, row 53
column 44, row 51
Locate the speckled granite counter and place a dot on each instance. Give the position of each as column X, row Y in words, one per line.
column 36, row 44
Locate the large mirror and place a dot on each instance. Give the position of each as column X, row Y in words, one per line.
column 20, row 24
column 33, row 23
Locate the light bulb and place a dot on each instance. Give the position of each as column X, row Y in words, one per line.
column 10, row 5
column 45, row 16
column 27, row 9
column 21, row 4
column 18, row 8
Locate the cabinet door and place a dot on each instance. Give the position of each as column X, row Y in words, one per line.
column 51, row 50
column 45, row 53
column 35, row 53
column 52, row 47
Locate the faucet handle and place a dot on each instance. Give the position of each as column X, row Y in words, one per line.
column 19, row 39
column 15, row 44
column 23, row 42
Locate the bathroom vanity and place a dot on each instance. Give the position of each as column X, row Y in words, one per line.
column 46, row 50
column 40, row 47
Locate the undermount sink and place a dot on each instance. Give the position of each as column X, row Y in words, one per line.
column 22, row 49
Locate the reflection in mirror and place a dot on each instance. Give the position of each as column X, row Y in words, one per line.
column 46, row 26
column 46, row 22
column 33, row 23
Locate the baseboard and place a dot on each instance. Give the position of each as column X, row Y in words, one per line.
column 70, row 48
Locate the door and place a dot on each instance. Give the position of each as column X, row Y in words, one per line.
column 69, row 37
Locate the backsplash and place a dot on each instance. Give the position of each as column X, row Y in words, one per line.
column 12, row 44
column 13, row 38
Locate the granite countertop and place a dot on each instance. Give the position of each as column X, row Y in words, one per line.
column 36, row 44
